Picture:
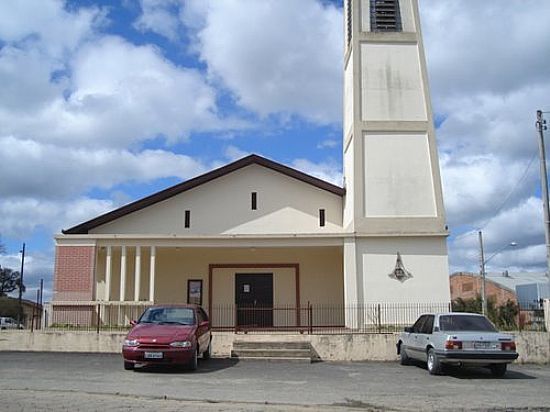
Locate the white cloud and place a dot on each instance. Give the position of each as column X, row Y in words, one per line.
column 485, row 46
column 66, row 172
column 161, row 17
column 21, row 216
column 38, row 265
column 47, row 25
column 117, row 93
column 488, row 77
column 475, row 187
column 329, row 171
column 296, row 68
column 328, row 143
column 233, row 153
column 520, row 225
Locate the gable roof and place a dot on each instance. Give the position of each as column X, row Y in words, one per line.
column 83, row 228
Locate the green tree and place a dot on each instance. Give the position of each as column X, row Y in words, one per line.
column 9, row 281
column 9, row 307
column 507, row 315
column 467, row 305
column 503, row 316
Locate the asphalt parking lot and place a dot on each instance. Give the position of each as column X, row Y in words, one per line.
column 93, row 382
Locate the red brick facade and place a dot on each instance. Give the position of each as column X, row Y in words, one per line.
column 468, row 286
column 74, row 273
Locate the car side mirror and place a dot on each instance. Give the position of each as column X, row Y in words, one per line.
column 133, row 322
column 408, row 329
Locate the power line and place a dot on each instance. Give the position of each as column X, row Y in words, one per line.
column 521, row 179
column 506, row 199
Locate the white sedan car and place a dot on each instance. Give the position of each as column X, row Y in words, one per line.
column 463, row 339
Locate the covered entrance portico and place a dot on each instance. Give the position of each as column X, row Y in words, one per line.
column 220, row 274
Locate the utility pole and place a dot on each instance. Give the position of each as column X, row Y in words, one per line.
column 20, row 314
column 541, row 127
column 482, row 273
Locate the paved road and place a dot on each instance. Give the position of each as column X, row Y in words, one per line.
column 93, row 382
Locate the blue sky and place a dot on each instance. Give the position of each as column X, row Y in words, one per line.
column 104, row 102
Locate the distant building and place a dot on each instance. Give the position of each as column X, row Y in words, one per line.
column 468, row 286
column 10, row 307
column 524, row 288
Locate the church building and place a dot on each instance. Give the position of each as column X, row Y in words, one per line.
column 258, row 234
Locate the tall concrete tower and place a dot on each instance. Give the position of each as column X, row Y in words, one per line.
column 396, row 248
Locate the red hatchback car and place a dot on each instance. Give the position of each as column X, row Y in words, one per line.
column 168, row 335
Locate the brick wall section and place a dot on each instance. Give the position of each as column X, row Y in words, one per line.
column 468, row 286
column 74, row 273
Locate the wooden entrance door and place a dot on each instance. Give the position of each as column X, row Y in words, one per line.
column 254, row 299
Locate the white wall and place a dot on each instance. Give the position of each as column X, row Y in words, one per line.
column 392, row 83
column 349, row 173
column 223, row 206
column 398, row 176
column 348, row 96
column 424, row 257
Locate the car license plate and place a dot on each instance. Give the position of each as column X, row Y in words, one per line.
column 482, row 345
column 153, row 355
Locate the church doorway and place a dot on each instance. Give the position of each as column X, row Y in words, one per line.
column 254, row 299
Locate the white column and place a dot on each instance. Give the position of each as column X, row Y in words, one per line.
column 123, row 274
column 108, row 274
column 152, row 274
column 137, row 275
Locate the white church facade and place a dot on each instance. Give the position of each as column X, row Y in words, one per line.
column 256, row 233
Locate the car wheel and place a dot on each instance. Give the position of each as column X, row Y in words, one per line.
column 403, row 357
column 194, row 361
column 129, row 366
column 434, row 366
column 207, row 354
column 498, row 369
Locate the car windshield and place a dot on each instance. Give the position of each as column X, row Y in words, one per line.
column 176, row 316
column 465, row 323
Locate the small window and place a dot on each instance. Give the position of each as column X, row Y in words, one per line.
column 187, row 222
column 467, row 287
column 254, row 200
column 321, row 217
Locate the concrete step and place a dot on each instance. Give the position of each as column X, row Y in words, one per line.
column 280, row 359
column 272, row 350
column 271, row 345
column 271, row 353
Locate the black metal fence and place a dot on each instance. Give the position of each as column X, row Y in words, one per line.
column 92, row 316
column 309, row 318
column 322, row 318
column 531, row 316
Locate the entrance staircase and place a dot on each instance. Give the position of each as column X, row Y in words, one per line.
column 298, row 351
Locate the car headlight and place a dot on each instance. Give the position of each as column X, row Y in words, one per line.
column 181, row 344
column 131, row 342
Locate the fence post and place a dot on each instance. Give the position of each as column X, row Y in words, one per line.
column 310, row 318
column 98, row 318
column 379, row 318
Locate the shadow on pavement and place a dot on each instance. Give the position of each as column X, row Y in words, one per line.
column 483, row 373
column 474, row 372
column 209, row 366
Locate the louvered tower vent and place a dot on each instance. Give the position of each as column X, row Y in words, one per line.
column 385, row 15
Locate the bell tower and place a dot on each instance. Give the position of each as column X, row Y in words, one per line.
column 393, row 213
